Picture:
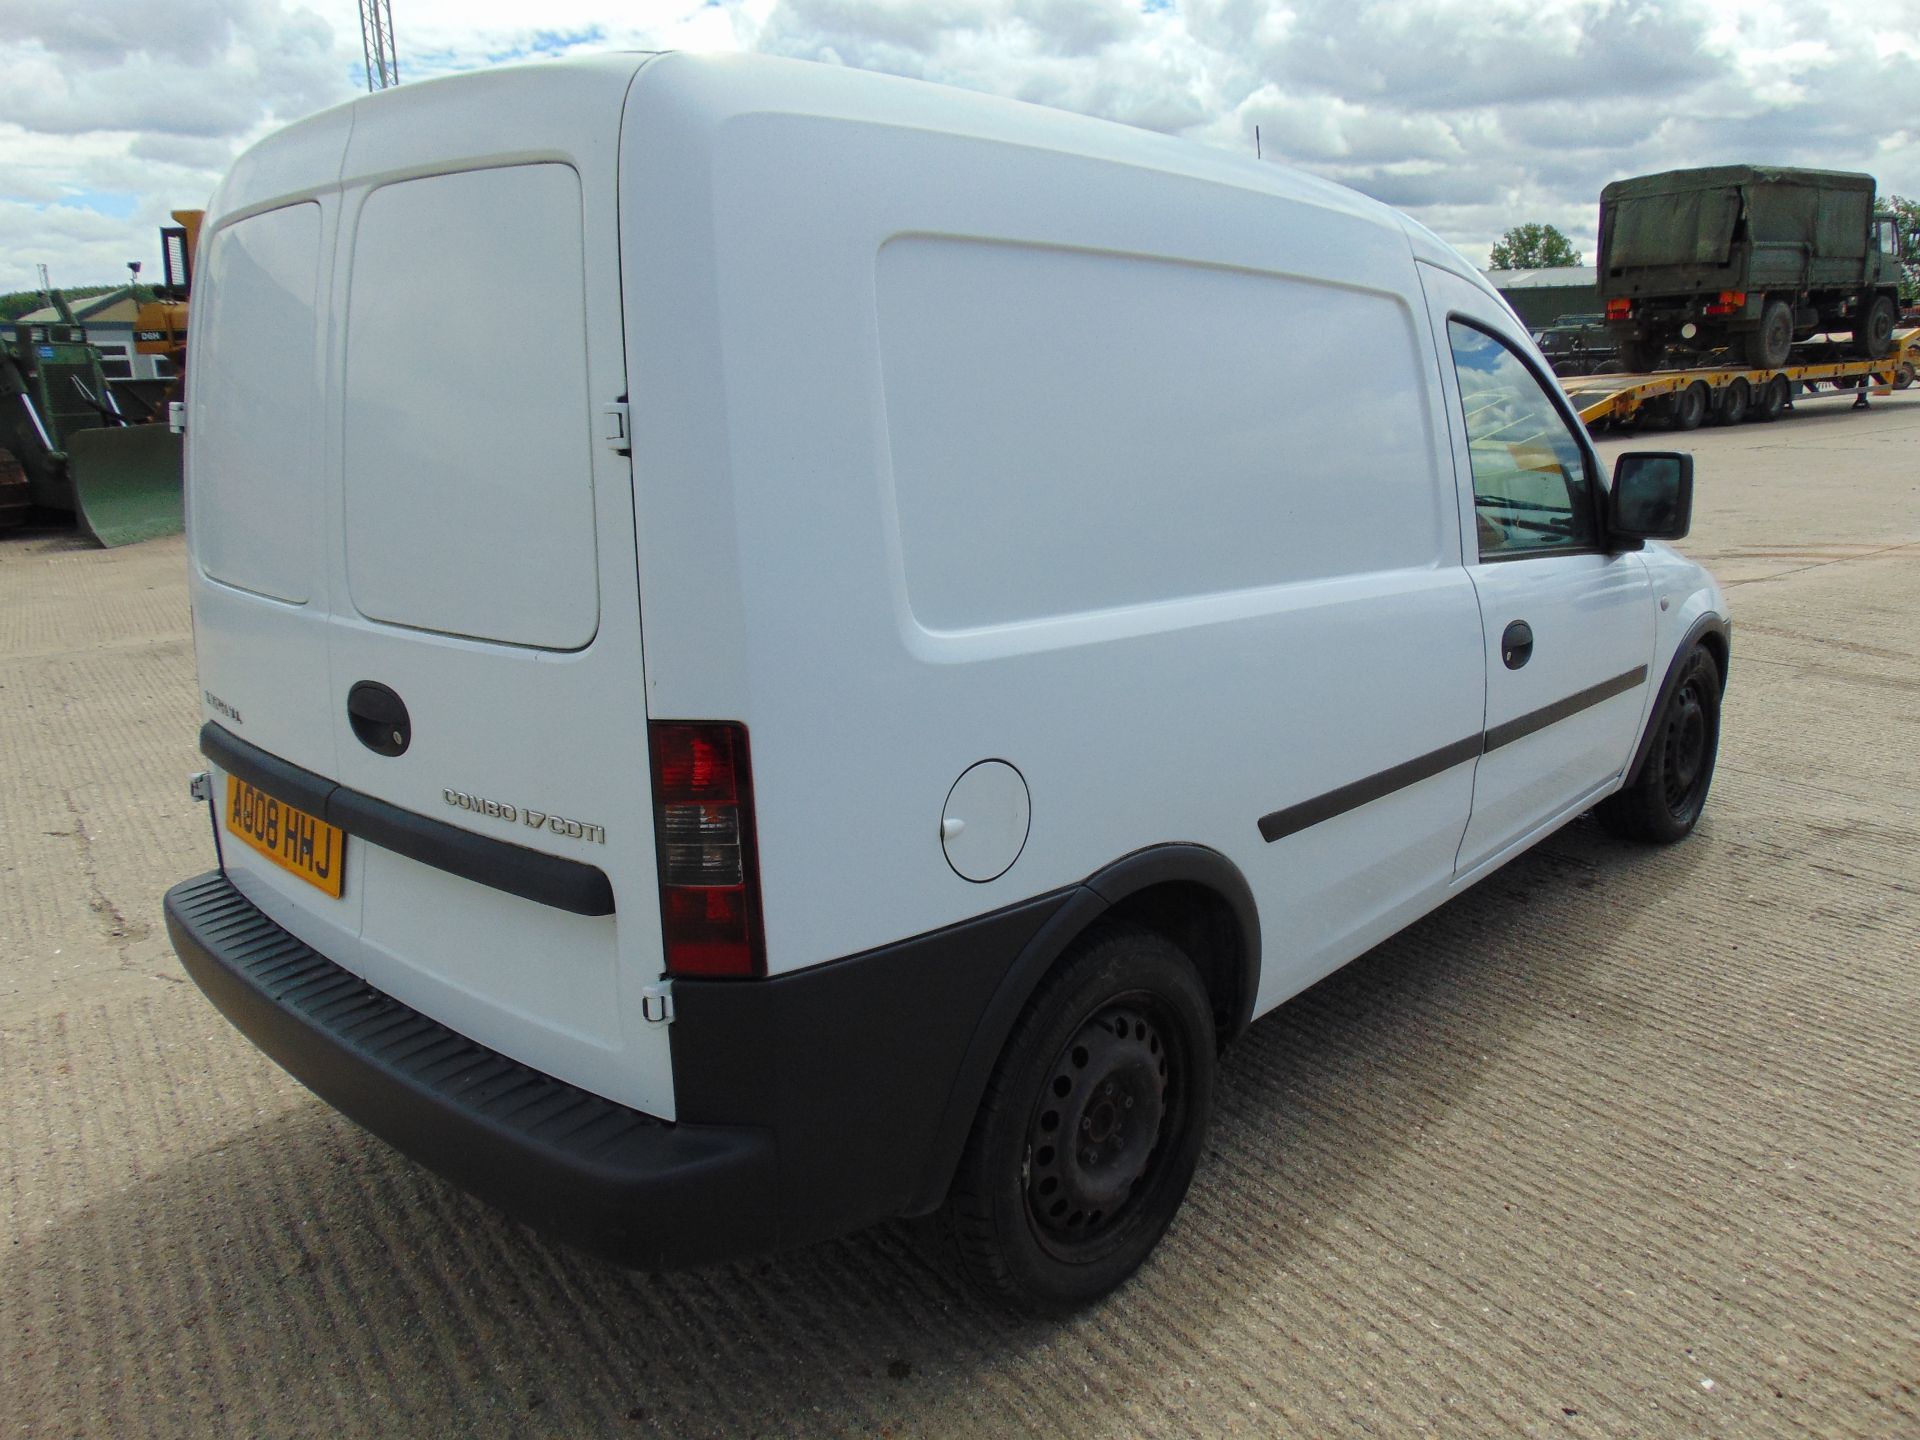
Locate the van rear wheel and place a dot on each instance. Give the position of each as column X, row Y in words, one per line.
column 1091, row 1126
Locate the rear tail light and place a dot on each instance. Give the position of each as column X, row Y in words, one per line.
column 703, row 829
column 1620, row 309
column 1730, row 302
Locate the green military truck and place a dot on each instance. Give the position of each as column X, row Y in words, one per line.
column 1749, row 258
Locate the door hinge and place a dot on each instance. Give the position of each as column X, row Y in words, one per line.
column 200, row 787
column 177, row 417
column 656, row 1003
column 615, row 428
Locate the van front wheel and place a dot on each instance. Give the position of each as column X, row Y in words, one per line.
column 1091, row 1126
column 1664, row 803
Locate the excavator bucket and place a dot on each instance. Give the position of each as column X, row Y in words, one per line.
column 127, row 483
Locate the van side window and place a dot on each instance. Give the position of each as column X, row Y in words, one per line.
column 1531, row 490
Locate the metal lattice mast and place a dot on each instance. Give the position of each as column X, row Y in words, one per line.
column 376, row 44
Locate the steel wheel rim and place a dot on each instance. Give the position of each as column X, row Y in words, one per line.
column 1684, row 747
column 1108, row 1104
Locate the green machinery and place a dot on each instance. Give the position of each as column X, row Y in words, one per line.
column 66, row 448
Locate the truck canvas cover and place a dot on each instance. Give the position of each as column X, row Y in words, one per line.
column 1689, row 217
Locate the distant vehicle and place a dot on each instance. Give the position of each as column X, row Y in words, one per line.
column 1577, row 344
column 68, row 444
column 1750, row 258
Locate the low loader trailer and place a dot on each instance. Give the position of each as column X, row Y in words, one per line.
column 1725, row 391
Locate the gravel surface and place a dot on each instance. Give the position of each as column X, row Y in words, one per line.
column 1620, row 1143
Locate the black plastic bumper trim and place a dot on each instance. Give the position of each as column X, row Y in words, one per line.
column 571, row 885
column 573, row 1164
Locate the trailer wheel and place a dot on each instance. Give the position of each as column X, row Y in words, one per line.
column 1767, row 347
column 1903, row 377
column 1690, row 406
column 1873, row 332
column 1733, row 402
column 1773, row 399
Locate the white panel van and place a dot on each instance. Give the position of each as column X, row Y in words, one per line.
column 782, row 647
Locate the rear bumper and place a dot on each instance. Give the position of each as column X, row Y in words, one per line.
column 613, row 1180
column 810, row 1103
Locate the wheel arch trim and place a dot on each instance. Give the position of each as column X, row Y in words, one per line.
column 1717, row 635
column 1096, row 896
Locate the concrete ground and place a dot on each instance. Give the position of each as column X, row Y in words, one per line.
column 1621, row 1143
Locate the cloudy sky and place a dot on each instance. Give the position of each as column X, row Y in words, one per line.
column 1471, row 114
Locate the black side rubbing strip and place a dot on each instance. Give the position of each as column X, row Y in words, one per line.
column 1295, row 818
column 1524, row 725
column 1282, row 823
column 570, row 885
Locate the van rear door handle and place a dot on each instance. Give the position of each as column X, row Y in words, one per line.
column 1516, row 645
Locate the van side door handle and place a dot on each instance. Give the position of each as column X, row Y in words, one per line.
column 1516, row 644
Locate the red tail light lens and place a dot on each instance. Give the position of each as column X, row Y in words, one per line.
column 1619, row 309
column 703, row 829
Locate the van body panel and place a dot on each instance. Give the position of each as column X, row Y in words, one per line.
column 462, row 494
column 515, row 439
column 854, row 686
column 259, row 459
column 909, row 430
column 1591, row 615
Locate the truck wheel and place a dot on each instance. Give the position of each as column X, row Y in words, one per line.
column 1690, row 406
column 1873, row 332
column 1774, row 396
column 1768, row 347
column 1638, row 357
column 1090, row 1128
column 1664, row 804
column 1731, row 407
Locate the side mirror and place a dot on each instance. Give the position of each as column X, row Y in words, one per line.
column 1652, row 496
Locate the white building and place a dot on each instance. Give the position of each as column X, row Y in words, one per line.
column 108, row 321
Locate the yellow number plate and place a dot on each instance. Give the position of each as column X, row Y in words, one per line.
column 294, row 840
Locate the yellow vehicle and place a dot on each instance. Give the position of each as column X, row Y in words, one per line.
column 1729, row 393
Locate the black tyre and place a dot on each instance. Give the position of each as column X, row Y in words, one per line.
column 1690, row 406
column 1774, row 396
column 1768, row 347
column 1091, row 1127
column 1873, row 333
column 1903, row 377
column 1730, row 406
column 1638, row 357
column 1664, row 804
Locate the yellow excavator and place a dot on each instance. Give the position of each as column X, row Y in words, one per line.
column 69, row 444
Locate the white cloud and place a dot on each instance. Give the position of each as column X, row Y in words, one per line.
column 1473, row 114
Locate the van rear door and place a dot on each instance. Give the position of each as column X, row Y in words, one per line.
column 482, row 665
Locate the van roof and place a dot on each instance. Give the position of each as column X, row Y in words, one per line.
column 740, row 84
